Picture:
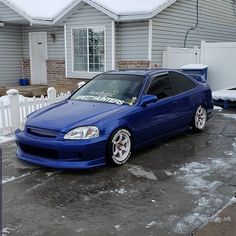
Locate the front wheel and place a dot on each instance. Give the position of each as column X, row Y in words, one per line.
column 200, row 119
column 119, row 147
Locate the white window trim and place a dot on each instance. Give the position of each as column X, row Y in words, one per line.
column 150, row 40
column 65, row 42
column 72, row 51
column 113, row 45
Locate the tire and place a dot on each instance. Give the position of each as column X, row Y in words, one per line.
column 200, row 119
column 119, row 147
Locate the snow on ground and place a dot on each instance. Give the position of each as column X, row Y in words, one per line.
column 229, row 116
column 4, row 139
column 195, row 178
column 217, row 108
column 224, row 94
column 141, row 172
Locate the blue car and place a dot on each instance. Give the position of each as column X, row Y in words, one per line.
column 112, row 115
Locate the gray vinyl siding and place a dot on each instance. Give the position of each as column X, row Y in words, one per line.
column 217, row 23
column 87, row 16
column 132, row 41
column 11, row 52
column 56, row 50
column 8, row 15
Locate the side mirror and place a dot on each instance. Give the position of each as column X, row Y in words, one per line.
column 147, row 99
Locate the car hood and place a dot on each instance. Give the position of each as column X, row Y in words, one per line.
column 69, row 114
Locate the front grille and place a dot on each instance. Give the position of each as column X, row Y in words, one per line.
column 42, row 132
column 37, row 151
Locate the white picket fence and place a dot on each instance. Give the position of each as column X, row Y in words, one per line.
column 15, row 108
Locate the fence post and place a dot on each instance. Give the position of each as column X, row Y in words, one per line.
column 80, row 84
column 52, row 95
column 13, row 97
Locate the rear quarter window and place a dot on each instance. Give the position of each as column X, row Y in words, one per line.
column 181, row 82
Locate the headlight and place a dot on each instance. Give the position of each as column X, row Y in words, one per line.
column 86, row 132
column 22, row 125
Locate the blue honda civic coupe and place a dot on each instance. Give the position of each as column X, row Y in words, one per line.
column 112, row 115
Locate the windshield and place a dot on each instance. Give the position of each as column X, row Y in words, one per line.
column 109, row 88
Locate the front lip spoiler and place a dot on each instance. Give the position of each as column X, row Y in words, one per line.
column 60, row 164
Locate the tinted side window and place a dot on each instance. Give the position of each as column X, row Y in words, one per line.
column 162, row 87
column 181, row 83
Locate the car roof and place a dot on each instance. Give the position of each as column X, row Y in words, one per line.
column 140, row 72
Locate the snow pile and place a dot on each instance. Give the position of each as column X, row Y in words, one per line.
column 4, row 139
column 224, row 94
column 48, row 10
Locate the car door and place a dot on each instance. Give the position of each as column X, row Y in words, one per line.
column 157, row 118
column 184, row 106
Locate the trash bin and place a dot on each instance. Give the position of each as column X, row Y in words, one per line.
column 197, row 71
column 24, row 82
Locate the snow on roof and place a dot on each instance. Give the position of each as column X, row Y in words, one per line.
column 49, row 9
column 125, row 7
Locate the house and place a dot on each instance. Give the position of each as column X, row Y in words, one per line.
column 60, row 42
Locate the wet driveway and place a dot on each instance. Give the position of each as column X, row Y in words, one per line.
column 171, row 188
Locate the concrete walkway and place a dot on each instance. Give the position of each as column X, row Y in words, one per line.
column 223, row 224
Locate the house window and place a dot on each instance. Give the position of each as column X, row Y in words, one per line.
column 89, row 49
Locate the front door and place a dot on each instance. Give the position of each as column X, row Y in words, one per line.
column 38, row 57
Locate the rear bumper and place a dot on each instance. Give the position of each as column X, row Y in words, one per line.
column 65, row 154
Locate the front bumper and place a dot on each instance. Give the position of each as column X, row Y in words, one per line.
column 65, row 154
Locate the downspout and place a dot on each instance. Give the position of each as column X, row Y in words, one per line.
column 196, row 24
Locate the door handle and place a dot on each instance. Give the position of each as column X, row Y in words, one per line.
column 174, row 103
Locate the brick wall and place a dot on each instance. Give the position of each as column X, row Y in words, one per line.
column 55, row 75
column 26, row 68
column 133, row 64
column 57, row 78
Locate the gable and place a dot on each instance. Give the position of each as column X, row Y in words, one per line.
column 86, row 14
column 8, row 15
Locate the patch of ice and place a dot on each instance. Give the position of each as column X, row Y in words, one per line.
column 148, row 226
column 168, row 173
column 194, row 176
column 13, row 178
column 141, row 172
column 194, row 219
column 120, row 191
column 79, row 230
column 228, row 153
column 230, row 116
column 117, row 227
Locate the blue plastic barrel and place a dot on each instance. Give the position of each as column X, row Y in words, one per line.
column 24, row 82
column 196, row 69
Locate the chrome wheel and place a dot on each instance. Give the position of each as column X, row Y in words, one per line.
column 121, row 146
column 200, row 118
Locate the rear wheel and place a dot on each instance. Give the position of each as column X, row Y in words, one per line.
column 200, row 119
column 119, row 147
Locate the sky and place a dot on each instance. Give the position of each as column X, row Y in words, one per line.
column 48, row 9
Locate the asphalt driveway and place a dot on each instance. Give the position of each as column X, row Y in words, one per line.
column 171, row 188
